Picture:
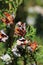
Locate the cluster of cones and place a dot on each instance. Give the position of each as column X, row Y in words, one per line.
column 20, row 30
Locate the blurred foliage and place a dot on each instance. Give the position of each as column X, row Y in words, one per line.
column 38, row 25
column 39, row 2
column 33, row 2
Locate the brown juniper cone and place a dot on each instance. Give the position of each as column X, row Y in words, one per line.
column 9, row 19
column 4, row 20
column 3, row 36
column 34, row 45
column 20, row 29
